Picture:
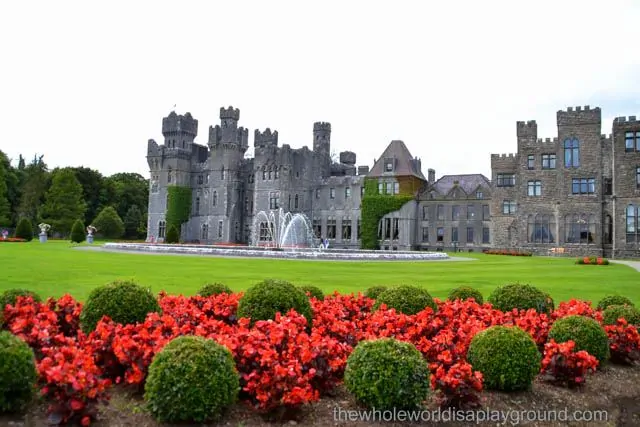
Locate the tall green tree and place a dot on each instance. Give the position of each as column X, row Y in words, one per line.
column 10, row 188
column 63, row 201
column 109, row 224
column 129, row 189
column 34, row 184
column 133, row 223
column 92, row 183
column 5, row 207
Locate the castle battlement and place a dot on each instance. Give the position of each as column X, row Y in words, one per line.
column 174, row 123
column 266, row 138
column 579, row 116
column 322, row 126
column 547, row 140
column 580, row 108
column 343, row 180
column 623, row 119
column 502, row 156
column 527, row 129
column 230, row 113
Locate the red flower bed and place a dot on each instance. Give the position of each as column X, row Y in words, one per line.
column 282, row 365
column 12, row 240
column 592, row 260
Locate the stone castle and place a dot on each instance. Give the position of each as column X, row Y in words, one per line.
column 577, row 193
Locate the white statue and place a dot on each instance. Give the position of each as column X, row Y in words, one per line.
column 44, row 228
column 90, row 230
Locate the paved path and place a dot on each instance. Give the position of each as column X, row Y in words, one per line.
column 633, row 264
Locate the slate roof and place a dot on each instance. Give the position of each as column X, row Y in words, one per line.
column 405, row 164
column 468, row 183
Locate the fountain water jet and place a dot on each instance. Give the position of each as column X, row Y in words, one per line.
column 282, row 230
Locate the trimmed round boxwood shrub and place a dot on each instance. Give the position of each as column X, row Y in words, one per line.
column 24, row 230
column 465, row 292
column 406, row 299
column 173, row 235
column 17, row 373
column 124, row 302
column 10, row 296
column 610, row 300
column 375, row 291
column 314, row 291
column 627, row 312
column 521, row 296
column 263, row 300
column 77, row 232
column 586, row 332
column 507, row 357
column 192, row 379
column 386, row 374
column 214, row 289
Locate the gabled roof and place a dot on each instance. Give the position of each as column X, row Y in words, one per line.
column 404, row 163
column 468, row 183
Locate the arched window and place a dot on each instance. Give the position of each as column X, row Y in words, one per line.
column 580, row 228
column 608, row 230
column 222, row 173
column 215, row 198
column 197, row 210
column 540, row 228
column 571, row 153
column 169, row 174
column 205, row 231
column 162, row 228
column 632, row 224
column 295, row 202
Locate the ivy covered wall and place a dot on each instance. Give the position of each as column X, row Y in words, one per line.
column 374, row 207
column 178, row 205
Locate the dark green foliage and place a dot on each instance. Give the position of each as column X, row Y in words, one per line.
column 5, row 205
column 386, row 374
column 173, row 235
column 374, row 291
column 192, row 379
column 92, row 183
column 123, row 301
column 63, row 201
column 263, row 300
column 627, row 312
column 374, row 207
column 587, row 333
column 17, row 373
column 613, row 300
column 78, row 232
column 109, row 224
column 10, row 296
column 507, row 357
column 24, row 230
column 214, row 289
column 33, row 185
column 314, row 291
column 125, row 190
column 466, row 292
column 406, row 299
column 133, row 223
column 522, row 297
column 179, row 205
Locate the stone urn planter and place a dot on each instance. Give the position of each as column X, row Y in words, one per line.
column 90, row 230
column 43, row 237
column 43, row 232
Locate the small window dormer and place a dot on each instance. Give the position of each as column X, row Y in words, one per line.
column 388, row 165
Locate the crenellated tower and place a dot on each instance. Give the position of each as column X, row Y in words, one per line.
column 322, row 147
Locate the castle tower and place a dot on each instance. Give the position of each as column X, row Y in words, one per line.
column 322, row 147
column 179, row 131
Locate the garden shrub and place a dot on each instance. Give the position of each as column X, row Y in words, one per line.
column 124, row 302
column 109, row 224
column 24, row 230
column 10, row 296
column 375, row 291
column 521, row 296
column 507, row 357
column 263, row 300
column 627, row 312
column 173, row 235
column 314, row 291
column 586, row 332
column 192, row 379
column 214, row 289
column 464, row 293
column 17, row 373
column 386, row 374
column 613, row 300
column 77, row 232
column 406, row 299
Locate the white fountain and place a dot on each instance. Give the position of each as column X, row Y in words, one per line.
column 282, row 230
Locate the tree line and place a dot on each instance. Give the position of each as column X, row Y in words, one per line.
column 116, row 205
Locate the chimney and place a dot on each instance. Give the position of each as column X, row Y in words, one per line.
column 363, row 170
column 431, row 176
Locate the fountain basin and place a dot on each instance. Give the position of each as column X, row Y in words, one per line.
column 262, row 252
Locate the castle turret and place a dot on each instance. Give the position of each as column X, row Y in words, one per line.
column 179, row 131
column 322, row 147
column 228, row 131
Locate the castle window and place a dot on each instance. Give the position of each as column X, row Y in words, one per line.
column 331, row 228
column 297, row 174
column 454, row 234
column 389, row 188
column 270, row 175
column 396, row 188
column 183, row 146
column 583, row 186
column 317, row 193
column 425, row 213
column 220, row 223
column 580, row 229
column 469, row 234
column 571, row 153
column 531, row 162
column 347, row 192
column 317, row 228
column 358, row 231
column 346, row 229
column 387, row 228
column 440, row 212
column 534, row 188
column 332, row 193
column 289, row 203
column 637, row 176
column 440, row 234
column 388, row 165
column 632, row 141
column 540, row 229
column 200, row 179
column 205, row 232
column 486, row 215
column 508, row 207
column 236, row 228
column 455, row 212
column 506, row 180
column 215, row 198
column 608, row 187
column 548, row 161
column 169, row 174
column 246, row 204
column 251, row 178
column 277, row 174
column 396, row 228
column 274, row 200
column 479, row 195
column 222, row 173
column 608, row 230
column 264, row 175
column 632, row 224
column 380, row 188
column 154, row 186
column 197, row 209
column 471, row 212
column 162, row 229
column 295, row 202
column 486, row 235
column 425, row 234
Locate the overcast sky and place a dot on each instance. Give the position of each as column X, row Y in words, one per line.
column 89, row 85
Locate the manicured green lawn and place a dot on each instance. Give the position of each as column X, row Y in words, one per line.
column 55, row 268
